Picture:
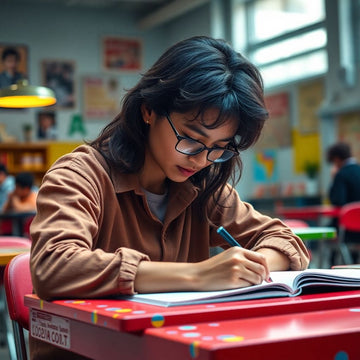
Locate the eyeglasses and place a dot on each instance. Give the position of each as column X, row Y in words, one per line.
column 189, row 146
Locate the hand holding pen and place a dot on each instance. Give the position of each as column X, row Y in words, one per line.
column 227, row 237
column 231, row 241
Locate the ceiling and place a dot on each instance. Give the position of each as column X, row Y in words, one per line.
column 150, row 12
column 96, row 3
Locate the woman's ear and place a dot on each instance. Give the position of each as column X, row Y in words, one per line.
column 147, row 113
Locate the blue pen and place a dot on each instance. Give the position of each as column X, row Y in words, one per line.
column 227, row 237
column 231, row 241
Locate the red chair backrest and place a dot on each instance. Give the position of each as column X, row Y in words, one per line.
column 295, row 223
column 349, row 216
column 17, row 282
column 15, row 241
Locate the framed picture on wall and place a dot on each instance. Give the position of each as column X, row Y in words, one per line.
column 59, row 75
column 121, row 54
column 101, row 96
column 13, row 64
column 277, row 130
column 46, row 125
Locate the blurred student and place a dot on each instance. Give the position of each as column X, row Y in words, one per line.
column 7, row 184
column 10, row 61
column 345, row 186
column 23, row 198
column 345, row 172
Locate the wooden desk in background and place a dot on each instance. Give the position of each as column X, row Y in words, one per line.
column 7, row 253
column 104, row 328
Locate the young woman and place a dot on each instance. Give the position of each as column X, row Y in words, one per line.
column 137, row 209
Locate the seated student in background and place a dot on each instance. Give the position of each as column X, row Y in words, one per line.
column 345, row 172
column 7, row 184
column 137, row 209
column 23, row 198
column 345, row 185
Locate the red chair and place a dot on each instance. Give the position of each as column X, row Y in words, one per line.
column 12, row 242
column 17, row 281
column 5, row 334
column 349, row 220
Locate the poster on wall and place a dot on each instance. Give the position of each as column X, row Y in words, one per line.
column 306, row 150
column 101, row 97
column 121, row 54
column 310, row 97
column 59, row 75
column 265, row 169
column 14, row 64
column 277, row 129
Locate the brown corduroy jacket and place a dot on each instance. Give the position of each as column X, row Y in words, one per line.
column 93, row 226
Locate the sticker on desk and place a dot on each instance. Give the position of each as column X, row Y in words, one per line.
column 50, row 328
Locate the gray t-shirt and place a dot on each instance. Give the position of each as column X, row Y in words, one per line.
column 157, row 203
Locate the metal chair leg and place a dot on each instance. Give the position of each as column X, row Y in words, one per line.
column 19, row 341
column 345, row 253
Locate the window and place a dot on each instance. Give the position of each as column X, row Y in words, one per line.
column 286, row 39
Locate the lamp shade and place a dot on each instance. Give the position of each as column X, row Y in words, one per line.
column 23, row 95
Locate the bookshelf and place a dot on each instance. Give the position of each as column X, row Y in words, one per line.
column 35, row 157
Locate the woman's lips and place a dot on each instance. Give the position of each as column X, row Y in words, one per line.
column 186, row 172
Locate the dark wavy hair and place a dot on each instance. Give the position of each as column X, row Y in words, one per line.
column 198, row 73
column 340, row 150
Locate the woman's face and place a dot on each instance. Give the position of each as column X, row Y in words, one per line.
column 163, row 161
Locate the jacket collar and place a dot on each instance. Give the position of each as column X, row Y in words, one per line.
column 180, row 193
column 184, row 192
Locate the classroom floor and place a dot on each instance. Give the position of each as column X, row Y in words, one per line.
column 4, row 351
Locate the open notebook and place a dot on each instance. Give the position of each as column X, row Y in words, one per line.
column 284, row 284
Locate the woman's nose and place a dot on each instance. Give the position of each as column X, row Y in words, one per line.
column 200, row 159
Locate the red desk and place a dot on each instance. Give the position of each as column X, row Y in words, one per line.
column 128, row 316
column 330, row 334
column 308, row 212
column 118, row 326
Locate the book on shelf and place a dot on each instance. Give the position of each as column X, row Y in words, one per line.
column 4, row 158
column 284, row 284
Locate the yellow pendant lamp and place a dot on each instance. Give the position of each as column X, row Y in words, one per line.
column 22, row 95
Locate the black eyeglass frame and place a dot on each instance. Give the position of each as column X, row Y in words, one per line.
column 232, row 152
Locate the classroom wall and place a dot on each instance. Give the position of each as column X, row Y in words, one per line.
column 75, row 33
column 56, row 32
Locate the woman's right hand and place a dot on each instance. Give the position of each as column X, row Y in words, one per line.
column 233, row 268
